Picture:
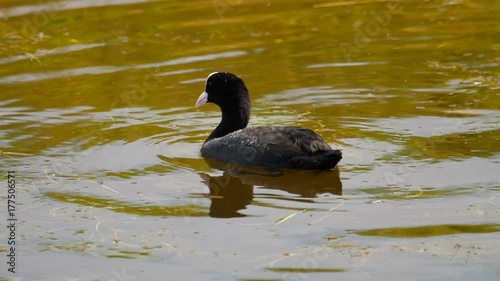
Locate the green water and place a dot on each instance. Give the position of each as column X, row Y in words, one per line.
column 97, row 120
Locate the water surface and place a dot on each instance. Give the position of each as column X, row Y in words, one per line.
column 98, row 122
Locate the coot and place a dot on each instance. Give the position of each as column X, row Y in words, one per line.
column 274, row 147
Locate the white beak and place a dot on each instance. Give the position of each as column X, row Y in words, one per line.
column 202, row 99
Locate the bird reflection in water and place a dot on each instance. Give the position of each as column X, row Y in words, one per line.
column 233, row 191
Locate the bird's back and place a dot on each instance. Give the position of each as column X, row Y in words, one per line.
column 273, row 147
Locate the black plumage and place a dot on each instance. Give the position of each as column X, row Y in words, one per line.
column 274, row 147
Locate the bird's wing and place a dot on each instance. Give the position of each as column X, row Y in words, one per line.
column 294, row 139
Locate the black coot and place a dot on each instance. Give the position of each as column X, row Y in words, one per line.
column 268, row 147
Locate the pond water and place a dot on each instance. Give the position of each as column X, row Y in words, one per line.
column 97, row 120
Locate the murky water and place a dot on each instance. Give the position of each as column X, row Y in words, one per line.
column 97, row 120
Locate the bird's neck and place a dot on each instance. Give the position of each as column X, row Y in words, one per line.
column 233, row 119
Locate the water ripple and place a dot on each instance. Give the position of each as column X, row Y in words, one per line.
column 94, row 70
column 428, row 126
column 17, row 11
column 31, row 77
column 345, row 64
column 320, row 95
column 57, row 51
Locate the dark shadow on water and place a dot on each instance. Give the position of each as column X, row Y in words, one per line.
column 228, row 195
column 233, row 191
